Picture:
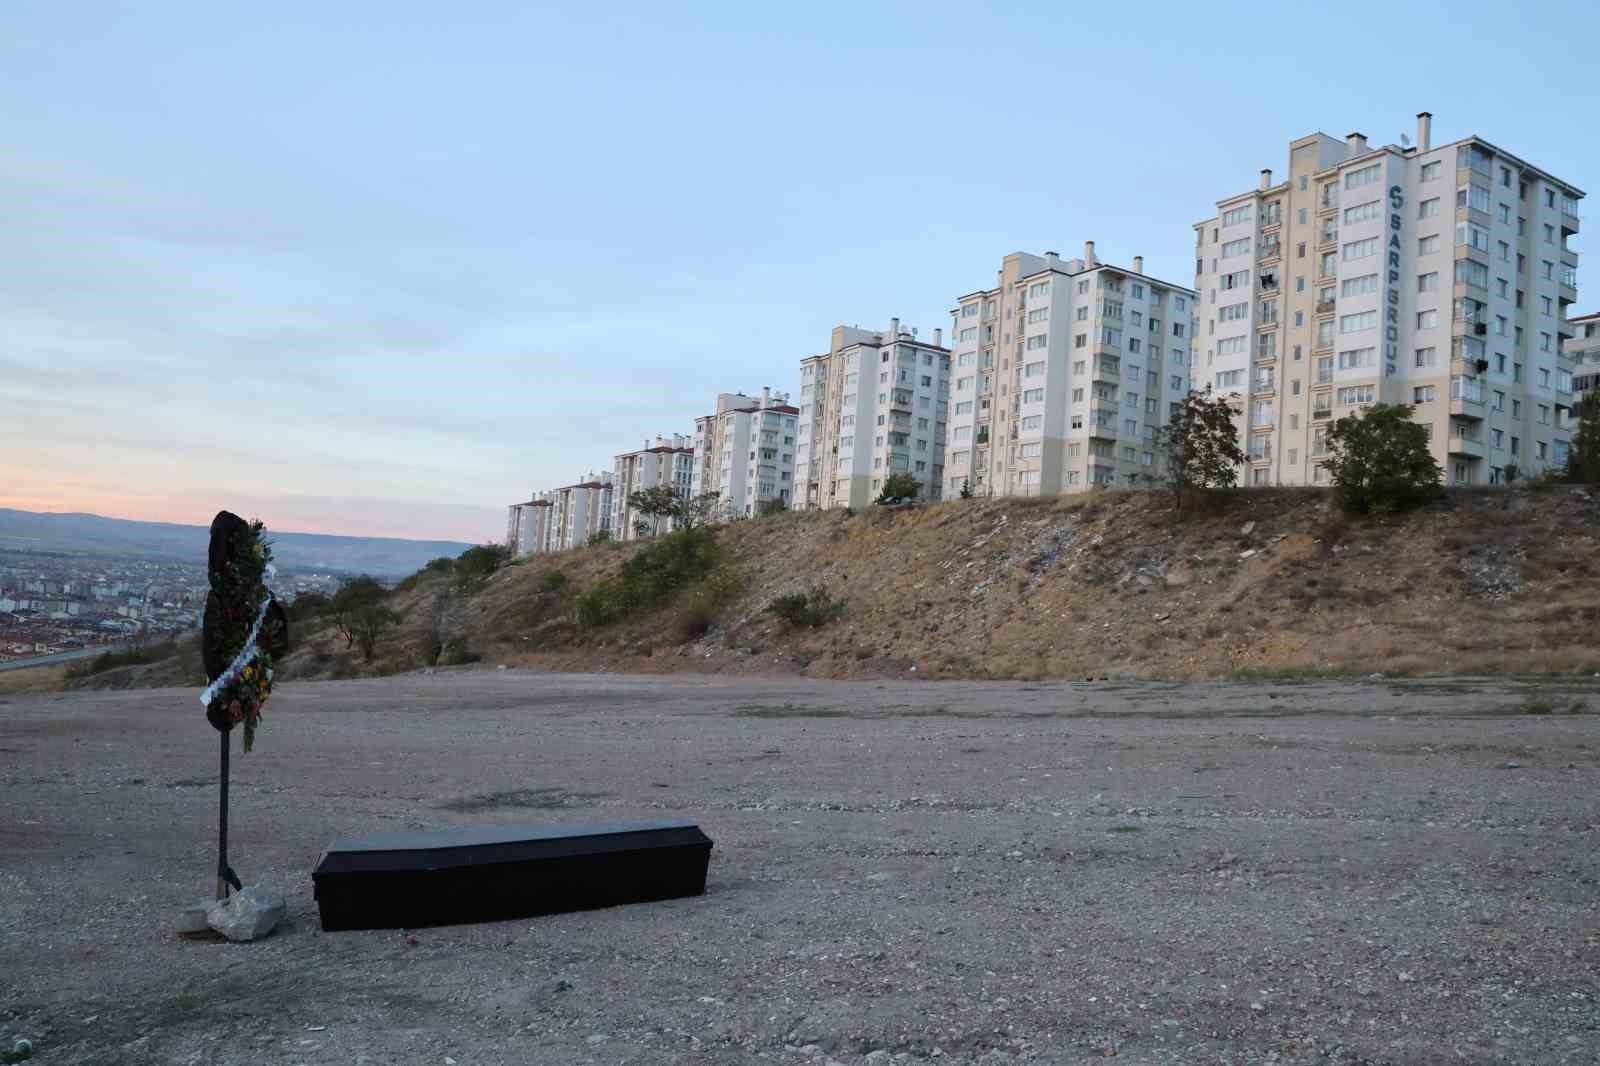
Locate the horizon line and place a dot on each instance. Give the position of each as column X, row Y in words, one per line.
column 269, row 529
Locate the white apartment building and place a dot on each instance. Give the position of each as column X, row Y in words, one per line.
column 744, row 452
column 875, row 404
column 1580, row 354
column 530, row 527
column 668, row 462
column 1432, row 276
column 1064, row 372
column 580, row 511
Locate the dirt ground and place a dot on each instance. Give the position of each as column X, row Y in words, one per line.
column 1380, row 872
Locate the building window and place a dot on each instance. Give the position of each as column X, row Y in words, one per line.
column 1370, row 175
column 1365, row 285
column 1361, row 249
column 1363, row 212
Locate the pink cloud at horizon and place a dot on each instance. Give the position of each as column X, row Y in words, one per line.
column 362, row 517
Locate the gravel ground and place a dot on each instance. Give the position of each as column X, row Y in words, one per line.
column 1382, row 872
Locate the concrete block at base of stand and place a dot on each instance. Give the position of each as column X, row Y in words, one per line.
column 247, row 915
column 192, row 918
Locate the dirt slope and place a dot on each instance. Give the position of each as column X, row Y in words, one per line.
column 1110, row 586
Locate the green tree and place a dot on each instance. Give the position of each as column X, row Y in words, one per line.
column 308, row 605
column 1202, row 448
column 600, row 536
column 354, row 595
column 1379, row 461
column 776, row 505
column 654, row 504
column 966, row 488
column 369, row 622
column 897, row 487
column 1583, row 459
column 477, row 563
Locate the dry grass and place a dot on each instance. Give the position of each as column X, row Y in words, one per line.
column 1111, row 584
column 32, row 680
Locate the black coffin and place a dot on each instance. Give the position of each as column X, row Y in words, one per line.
column 487, row 873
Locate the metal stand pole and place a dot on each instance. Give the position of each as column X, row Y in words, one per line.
column 225, row 874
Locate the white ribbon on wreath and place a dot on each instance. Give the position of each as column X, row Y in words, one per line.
column 246, row 653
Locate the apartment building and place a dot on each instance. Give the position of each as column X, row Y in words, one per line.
column 1433, row 276
column 744, row 452
column 529, row 526
column 668, row 462
column 579, row 512
column 1064, row 372
column 1580, row 354
column 875, row 404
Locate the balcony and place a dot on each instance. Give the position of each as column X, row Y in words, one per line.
column 1324, row 307
column 1319, row 414
column 1469, row 409
column 1270, row 250
column 1466, row 447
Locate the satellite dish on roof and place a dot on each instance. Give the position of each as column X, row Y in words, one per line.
column 1405, row 140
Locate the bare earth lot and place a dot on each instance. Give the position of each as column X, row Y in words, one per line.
column 1201, row 873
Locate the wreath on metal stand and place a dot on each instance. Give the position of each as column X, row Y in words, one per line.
column 245, row 627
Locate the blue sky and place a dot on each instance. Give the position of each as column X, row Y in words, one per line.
column 384, row 268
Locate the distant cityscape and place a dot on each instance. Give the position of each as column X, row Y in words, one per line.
column 53, row 602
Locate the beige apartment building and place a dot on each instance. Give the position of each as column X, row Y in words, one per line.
column 1064, row 372
column 875, row 404
column 668, row 462
column 744, row 453
column 1433, row 276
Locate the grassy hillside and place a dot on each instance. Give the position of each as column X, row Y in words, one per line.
column 1274, row 583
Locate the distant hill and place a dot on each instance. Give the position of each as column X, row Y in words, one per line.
column 96, row 535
